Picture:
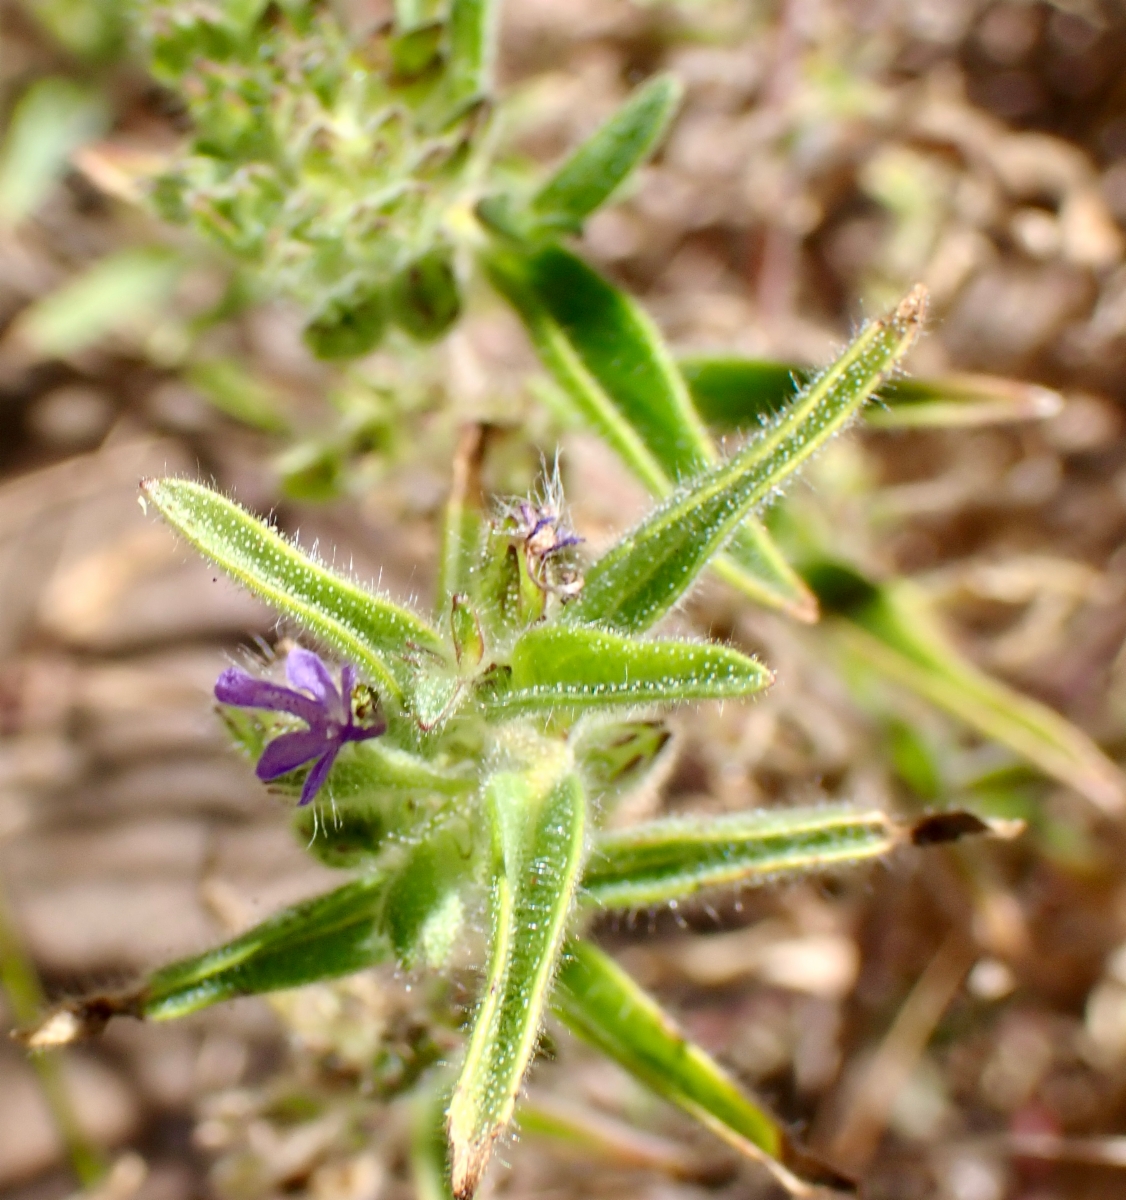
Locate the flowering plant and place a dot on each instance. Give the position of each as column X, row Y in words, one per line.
column 463, row 769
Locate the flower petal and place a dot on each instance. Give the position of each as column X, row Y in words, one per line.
column 289, row 751
column 238, row 688
column 316, row 777
column 361, row 733
column 304, row 669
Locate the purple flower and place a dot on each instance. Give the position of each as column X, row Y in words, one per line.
column 331, row 715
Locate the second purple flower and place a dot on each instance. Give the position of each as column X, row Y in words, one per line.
column 330, row 714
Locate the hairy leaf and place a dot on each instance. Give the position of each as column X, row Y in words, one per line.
column 592, row 174
column 733, row 393
column 364, row 628
column 535, row 876
column 890, row 627
column 424, row 911
column 331, row 935
column 557, row 666
column 611, row 363
column 376, row 792
column 636, row 582
column 670, row 859
column 600, row 1003
column 626, row 356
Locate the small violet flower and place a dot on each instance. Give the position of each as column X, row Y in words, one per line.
column 333, row 717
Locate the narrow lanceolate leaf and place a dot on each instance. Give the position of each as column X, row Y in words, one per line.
column 331, row 935
column 328, row 936
column 733, row 393
column 960, row 402
column 606, row 159
column 892, row 629
column 611, row 362
column 600, row 1003
column 507, row 273
column 535, row 880
column 472, row 48
column 622, row 349
column 671, row 859
column 556, row 666
column 647, row 572
column 364, row 628
column 461, row 530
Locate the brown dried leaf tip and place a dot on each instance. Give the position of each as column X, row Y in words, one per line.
column 469, row 1161
column 77, row 1022
column 952, row 826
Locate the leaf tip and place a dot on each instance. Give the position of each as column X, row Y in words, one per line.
column 468, row 1160
column 911, row 312
column 76, row 1022
column 939, row 828
column 804, row 608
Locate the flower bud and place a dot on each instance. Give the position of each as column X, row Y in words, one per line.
column 425, row 300
column 348, row 325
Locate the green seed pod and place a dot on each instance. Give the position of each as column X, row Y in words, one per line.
column 348, row 325
column 425, row 300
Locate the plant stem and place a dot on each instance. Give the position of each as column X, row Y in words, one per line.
column 21, row 985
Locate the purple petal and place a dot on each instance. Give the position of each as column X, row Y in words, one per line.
column 238, row 688
column 305, row 670
column 289, row 751
column 347, row 683
column 361, row 733
column 318, row 775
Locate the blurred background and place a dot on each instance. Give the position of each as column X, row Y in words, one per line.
column 950, row 1024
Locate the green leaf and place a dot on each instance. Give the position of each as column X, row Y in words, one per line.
column 892, row 628
column 556, row 666
column 331, row 935
column 961, row 402
column 364, row 628
column 617, row 755
column 424, row 911
column 472, row 48
column 670, row 859
column 237, row 393
column 611, row 363
column 119, row 293
column 537, row 864
column 464, row 520
column 592, row 174
column 636, row 582
column 601, row 1004
column 733, row 393
column 507, row 271
column 623, row 350
column 376, row 793
column 51, row 120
